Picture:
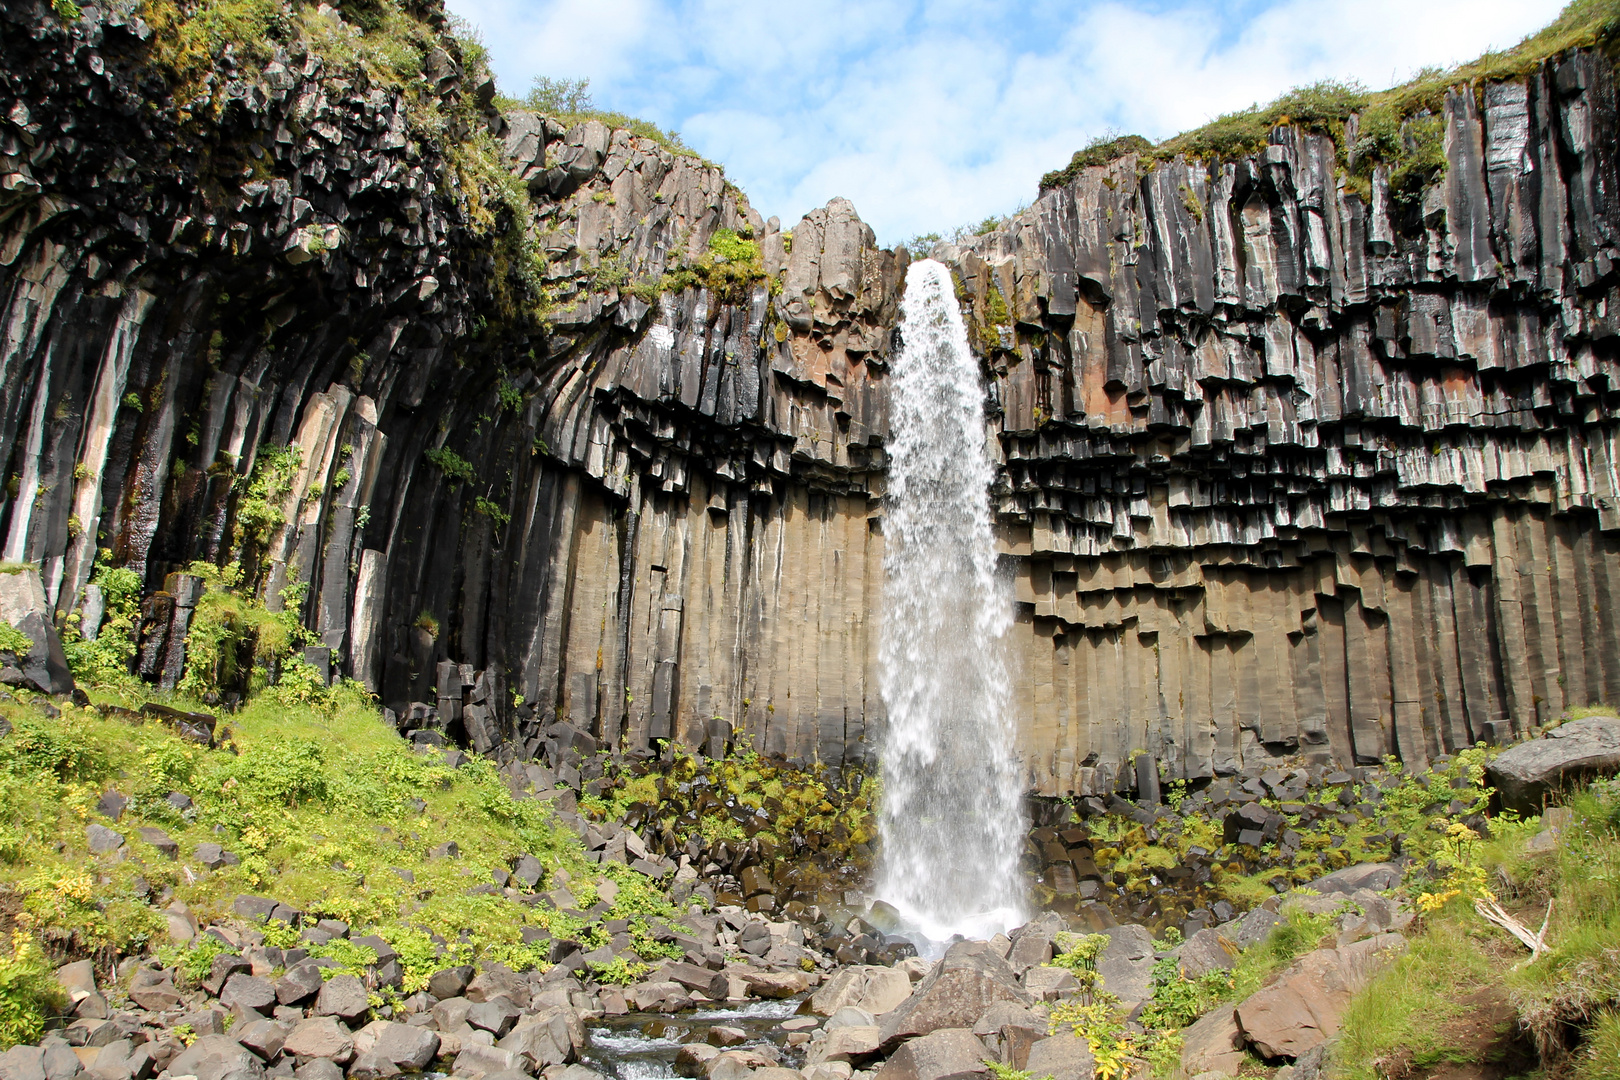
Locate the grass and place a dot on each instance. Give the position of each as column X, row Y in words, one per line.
column 328, row 811
column 1402, row 1015
column 1566, row 1001
column 1400, row 127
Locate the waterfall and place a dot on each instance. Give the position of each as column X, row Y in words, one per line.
column 951, row 821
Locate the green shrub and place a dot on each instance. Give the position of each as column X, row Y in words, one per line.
column 456, row 468
column 105, row 662
column 29, row 992
column 14, row 641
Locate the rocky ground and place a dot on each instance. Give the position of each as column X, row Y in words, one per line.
column 264, row 986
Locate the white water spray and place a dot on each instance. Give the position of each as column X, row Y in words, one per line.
column 952, row 819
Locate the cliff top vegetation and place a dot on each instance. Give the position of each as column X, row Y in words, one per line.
column 1401, row 127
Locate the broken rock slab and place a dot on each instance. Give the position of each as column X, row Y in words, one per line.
column 1305, row 1006
column 1526, row 775
column 967, row 981
column 945, row 1054
column 23, row 605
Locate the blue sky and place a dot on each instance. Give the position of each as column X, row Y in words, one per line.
column 929, row 114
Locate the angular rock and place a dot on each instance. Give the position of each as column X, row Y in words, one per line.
column 1374, row 876
column 217, row 1057
column 776, row 984
column 23, row 1063
column 23, row 605
column 944, row 1054
column 885, row 990
column 966, row 982
column 1126, row 965
column 102, row 840
column 343, row 996
column 320, row 1037
column 856, row 1045
column 301, row 983
column 1213, row 1043
column 475, row 1061
column 450, row 982
column 1204, row 952
column 1304, row 1006
column 407, row 1048
column 1526, row 775
column 247, row 992
column 1064, row 1056
column 264, row 1037
column 1049, row 983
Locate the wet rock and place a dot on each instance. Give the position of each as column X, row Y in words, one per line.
column 23, row 605
column 693, row 1058
column 776, row 984
column 1526, row 775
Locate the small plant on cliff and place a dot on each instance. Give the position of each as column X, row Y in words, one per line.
column 456, row 468
column 104, row 663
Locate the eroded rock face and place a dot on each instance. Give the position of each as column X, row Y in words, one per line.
column 1330, row 471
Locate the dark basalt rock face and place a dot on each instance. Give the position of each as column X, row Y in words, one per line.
column 1285, row 468
column 1291, row 470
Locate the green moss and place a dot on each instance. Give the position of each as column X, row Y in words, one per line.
column 321, row 807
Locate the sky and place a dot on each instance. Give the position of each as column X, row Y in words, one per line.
column 932, row 114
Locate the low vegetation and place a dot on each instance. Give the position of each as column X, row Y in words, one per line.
column 1401, row 128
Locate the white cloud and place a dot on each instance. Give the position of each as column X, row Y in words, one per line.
column 932, row 114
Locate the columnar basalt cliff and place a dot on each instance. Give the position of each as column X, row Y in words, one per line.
column 1285, row 467
column 1293, row 469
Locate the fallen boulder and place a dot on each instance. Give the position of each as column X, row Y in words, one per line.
column 946, row 1054
column 1304, row 1007
column 44, row 667
column 1526, row 775
column 959, row 990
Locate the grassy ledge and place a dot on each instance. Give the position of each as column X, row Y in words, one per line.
column 1401, row 128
